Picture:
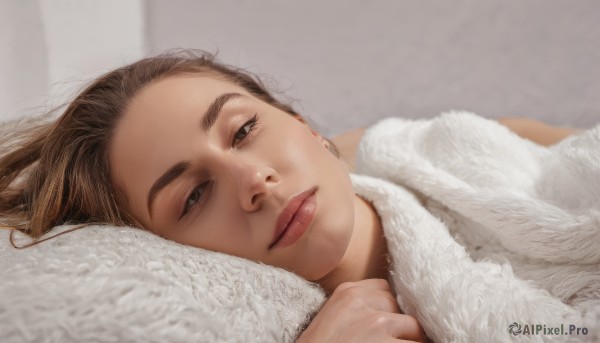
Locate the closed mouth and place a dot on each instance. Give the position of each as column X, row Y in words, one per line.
column 288, row 214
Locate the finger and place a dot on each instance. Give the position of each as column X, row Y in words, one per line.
column 376, row 300
column 384, row 301
column 376, row 284
column 405, row 327
column 372, row 284
column 396, row 340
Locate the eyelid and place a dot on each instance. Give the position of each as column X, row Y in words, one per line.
column 182, row 203
column 254, row 121
column 194, row 207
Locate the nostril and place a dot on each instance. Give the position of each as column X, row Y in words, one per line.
column 269, row 178
column 254, row 198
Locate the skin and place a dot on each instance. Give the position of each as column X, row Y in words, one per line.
column 241, row 179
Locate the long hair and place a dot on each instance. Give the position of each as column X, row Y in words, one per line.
column 59, row 172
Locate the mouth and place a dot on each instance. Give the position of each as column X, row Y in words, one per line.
column 295, row 218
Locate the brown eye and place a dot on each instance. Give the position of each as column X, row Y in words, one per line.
column 194, row 199
column 244, row 131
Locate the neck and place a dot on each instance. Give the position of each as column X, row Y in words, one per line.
column 366, row 256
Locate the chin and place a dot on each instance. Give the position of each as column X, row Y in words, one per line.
column 329, row 243
column 329, row 249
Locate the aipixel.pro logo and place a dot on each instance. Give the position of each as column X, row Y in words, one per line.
column 542, row 329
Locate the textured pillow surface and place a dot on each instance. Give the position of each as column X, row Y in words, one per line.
column 118, row 284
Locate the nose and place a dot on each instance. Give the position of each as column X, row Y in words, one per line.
column 254, row 181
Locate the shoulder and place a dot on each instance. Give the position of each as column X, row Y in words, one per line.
column 537, row 131
column 346, row 144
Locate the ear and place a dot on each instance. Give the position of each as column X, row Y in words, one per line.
column 315, row 133
column 320, row 137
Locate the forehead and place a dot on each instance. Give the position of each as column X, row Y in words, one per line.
column 167, row 104
column 200, row 87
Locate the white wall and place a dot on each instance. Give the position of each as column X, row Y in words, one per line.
column 23, row 63
column 350, row 62
column 51, row 47
column 347, row 62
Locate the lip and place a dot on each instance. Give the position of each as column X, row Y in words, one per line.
column 294, row 210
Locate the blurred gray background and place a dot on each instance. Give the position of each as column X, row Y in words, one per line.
column 343, row 63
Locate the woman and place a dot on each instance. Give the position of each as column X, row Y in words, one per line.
column 202, row 154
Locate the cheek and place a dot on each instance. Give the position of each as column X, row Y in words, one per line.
column 221, row 227
column 297, row 149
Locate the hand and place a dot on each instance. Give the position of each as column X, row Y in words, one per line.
column 362, row 311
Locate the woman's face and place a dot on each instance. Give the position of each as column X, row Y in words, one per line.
column 204, row 163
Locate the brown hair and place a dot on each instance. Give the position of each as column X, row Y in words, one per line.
column 65, row 162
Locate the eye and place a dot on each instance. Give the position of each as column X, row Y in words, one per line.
column 193, row 199
column 245, row 130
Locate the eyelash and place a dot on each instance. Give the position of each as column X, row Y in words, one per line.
column 235, row 142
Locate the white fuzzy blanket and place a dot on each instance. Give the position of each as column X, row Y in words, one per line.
column 528, row 216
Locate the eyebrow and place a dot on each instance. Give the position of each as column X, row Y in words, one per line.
column 208, row 120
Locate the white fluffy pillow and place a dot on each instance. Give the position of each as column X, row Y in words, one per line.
column 115, row 284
